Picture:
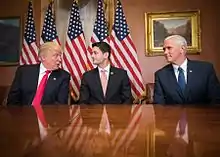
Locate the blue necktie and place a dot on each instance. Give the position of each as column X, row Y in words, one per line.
column 181, row 79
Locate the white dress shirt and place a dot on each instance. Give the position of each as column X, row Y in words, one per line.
column 107, row 71
column 42, row 72
column 183, row 66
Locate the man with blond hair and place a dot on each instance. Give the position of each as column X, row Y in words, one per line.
column 53, row 81
column 184, row 81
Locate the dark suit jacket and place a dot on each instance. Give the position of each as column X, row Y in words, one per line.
column 24, row 86
column 202, row 85
column 118, row 89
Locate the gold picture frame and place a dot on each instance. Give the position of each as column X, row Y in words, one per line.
column 159, row 25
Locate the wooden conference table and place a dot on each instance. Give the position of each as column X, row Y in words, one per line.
column 130, row 131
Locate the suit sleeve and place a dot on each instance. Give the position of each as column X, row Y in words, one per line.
column 158, row 97
column 63, row 93
column 84, row 91
column 213, row 86
column 14, row 95
column 126, row 95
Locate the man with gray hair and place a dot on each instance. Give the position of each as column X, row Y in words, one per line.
column 184, row 81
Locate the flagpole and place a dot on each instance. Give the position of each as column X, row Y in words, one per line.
column 109, row 7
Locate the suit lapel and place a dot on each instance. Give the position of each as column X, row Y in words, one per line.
column 34, row 77
column 111, row 81
column 190, row 78
column 98, row 85
column 174, row 84
column 50, row 83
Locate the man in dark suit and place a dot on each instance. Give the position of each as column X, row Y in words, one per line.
column 184, row 81
column 105, row 84
column 28, row 78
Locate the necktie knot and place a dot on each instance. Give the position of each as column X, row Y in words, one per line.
column 103, row 71
column 47, row 72
column 180, row 69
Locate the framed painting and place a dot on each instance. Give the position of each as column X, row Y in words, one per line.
column 10, row 40
column 162, row 24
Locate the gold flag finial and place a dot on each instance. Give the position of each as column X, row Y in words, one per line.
column 51, row 1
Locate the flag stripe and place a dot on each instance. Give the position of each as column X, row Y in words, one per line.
column 124, row 52
column 26, row 55
column 76, row 131
column 75, row 55
column 130, row 133
column 122, row 62
column 128, row 62
column 71, row 70
column 73, row 58
column 29, row 50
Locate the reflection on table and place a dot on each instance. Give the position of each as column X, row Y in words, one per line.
column 111, row 130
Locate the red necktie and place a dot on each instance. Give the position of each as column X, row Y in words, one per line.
column 38, row 97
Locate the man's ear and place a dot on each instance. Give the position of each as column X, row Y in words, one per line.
column 183, row 49
column 106, row 54
column 41, row 57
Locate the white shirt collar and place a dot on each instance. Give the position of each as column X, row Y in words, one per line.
column 183, row 66
column 42, row 69
column 107, row 68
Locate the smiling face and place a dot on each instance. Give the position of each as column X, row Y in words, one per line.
column 174, row 51
column 50, row 55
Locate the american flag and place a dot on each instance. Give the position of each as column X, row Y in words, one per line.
column 100, row 31
column 124, row 53
column 29, row 52
column 49, row 32
column 74, row 57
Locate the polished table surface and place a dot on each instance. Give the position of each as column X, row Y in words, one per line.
column 131, row 131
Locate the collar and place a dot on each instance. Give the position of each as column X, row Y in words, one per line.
column 42, row 68
column 107, row 68
column 183, row 66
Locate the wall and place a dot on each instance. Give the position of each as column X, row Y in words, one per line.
column 134, row 11
column 16, row 8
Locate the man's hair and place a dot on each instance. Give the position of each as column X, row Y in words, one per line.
column 180, row 40
column 104, row 47
column 48, row 46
